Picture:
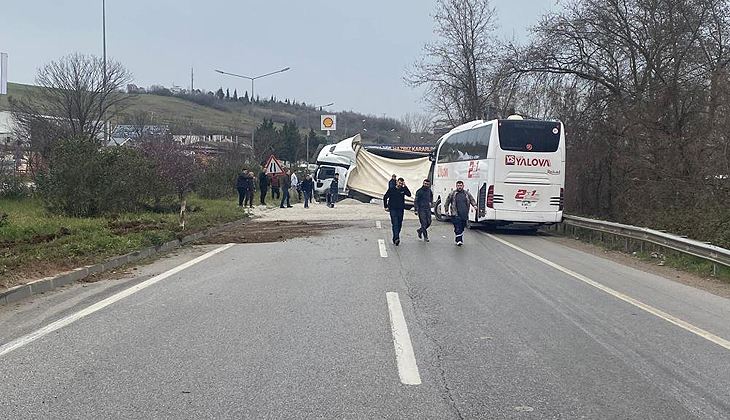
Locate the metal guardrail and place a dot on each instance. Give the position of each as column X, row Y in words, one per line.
column 692, row 247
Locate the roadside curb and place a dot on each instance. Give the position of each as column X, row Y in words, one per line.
column 43, row 285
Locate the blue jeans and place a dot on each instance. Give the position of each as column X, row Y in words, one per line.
column 307, row 198
column 396, row 219
column 285, row 197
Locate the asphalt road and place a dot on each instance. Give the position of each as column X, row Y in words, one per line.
column 302, row 330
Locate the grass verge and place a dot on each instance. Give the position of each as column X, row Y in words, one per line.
column 35, row 243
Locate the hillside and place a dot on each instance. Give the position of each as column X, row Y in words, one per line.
column 230, row 117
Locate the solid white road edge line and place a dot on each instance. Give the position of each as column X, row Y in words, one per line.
column 407, row 368
column 20, row 342
column 381, row 246
column 378, row 224
column 639, row 304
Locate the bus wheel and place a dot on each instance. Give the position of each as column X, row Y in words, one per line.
column 437, row 211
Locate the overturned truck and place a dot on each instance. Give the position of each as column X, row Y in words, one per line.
column 365, row 169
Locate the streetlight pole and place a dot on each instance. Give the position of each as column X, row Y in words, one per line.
column 252, row 79
column 310, row 127
column 103, row 69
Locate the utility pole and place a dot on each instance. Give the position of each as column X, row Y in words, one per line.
column 103, row 96
column 192, row 81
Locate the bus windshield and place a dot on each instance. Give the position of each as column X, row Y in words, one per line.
column 529, row 136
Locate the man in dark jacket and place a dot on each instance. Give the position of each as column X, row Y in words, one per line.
column 285, row 184
column 393, row 181
column 457, row 204
column 422, row 205
column 250, row 187
column 394, row 201
column 307, row 187
column 241, row 187
column 274, row 187
column 334, row 191
column 263, row 186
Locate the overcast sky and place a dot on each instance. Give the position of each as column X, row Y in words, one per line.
column 349, row 52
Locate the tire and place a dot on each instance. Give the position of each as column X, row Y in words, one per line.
column 437, row 211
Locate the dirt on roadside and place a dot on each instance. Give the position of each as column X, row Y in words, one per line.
column 268, row 231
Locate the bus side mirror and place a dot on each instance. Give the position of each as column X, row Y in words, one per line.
column 432, row 156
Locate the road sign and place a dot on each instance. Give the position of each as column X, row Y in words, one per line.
column 328, row 122
column 273, row 167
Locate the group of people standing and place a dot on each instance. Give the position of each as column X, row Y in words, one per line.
column 457, row 205
column 280, row 188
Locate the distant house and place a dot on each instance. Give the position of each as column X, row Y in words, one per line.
column 13, row 153
column 188, row 139
column 124, row 134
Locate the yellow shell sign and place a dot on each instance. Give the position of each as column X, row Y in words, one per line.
column 328, row 122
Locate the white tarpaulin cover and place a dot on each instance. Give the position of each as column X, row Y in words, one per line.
column 372, row 173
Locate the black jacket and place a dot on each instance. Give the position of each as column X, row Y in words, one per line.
column 241, row 180
column 308, row 185
column 263, row 181
column 334, row 186
column 249, row 183
column 424, row 199
column 392, row 183
column 395, row 198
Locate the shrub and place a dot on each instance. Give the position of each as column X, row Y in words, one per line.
column 217, row 180
column 14, row 187
column 72, row 181
column 84, row 180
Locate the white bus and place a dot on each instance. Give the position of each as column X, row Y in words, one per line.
column 514, row 168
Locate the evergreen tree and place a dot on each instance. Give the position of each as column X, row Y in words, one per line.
column 235, row 94
column 246, row 98
column 228, row 95
column 268, row 141
column 219, row 94
column 291, row 141
column 314, row 142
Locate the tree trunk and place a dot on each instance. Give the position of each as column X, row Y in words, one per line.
column 183, row 206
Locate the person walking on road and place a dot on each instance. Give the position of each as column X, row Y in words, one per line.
column 393, row 181
column 263, row 186
column 334, row 191
column 241, row 187
column 250, row 186
column 295, row 184
column 285, row 184
column 308, row 190
column 422, row 205
column 394, row 201
column 274, row 187
column 457, row 204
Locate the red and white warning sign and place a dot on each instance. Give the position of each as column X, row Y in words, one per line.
column 273, row 167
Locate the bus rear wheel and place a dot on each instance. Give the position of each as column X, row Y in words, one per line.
column 437, row 211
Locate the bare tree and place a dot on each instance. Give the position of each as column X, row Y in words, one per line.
column 75, row 99
column 139, row 120
column 456, row 70
column 417, row 123
column 642, row 86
